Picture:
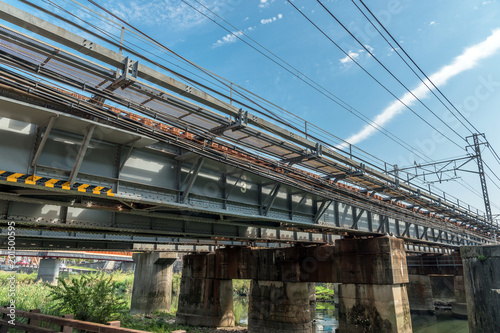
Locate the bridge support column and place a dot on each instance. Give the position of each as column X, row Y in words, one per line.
column 204, row 300
column 279, row 307
column 152, row 288
column 459, row 307
column 373, row 296
column 481, row 265
column 420, row 294
column 127, row 266
column 48, row 270
column 312, row 299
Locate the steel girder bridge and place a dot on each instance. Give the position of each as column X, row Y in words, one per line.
column 99, row 151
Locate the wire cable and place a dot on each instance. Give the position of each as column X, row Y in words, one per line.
column 390, row 72
column 418, row 67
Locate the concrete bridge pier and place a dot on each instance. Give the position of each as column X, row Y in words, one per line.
column 48, row 270
column 420, row 294
column 152, row 290
column 279, row 307
column 126, row 266
column 373, row 295
column 204, row 299
column 481, row 265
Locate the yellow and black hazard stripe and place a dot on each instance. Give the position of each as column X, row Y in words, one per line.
column 16, row 177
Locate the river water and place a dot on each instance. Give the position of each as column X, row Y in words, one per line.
column 326, row 319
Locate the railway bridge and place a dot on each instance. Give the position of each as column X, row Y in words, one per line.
column 103, row 150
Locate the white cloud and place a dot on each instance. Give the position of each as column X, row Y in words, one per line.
column 432, row 22
column 232, row 37
column 271, row 19
column 467, row 60
column 174, row 14
column 265, row 3
column 228, row 39
column 347, row 59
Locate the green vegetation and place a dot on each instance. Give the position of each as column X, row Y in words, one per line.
column 482, row 257
column 90, row 297
column 97, row 291
column 324, row 293
column 29, row 293
column 241, row 287
column 83, row 268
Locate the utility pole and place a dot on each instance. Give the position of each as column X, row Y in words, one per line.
column 477, row 150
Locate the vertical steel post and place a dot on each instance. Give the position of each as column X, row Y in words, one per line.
column 482, row 177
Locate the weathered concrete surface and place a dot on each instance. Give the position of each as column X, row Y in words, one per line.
column 374, row 308
column 420, row 294
column 459, row 310
column 312, row 298
column 482, row 287
column 375, row 269
column 126, row 266
column 294, row 264
column 379, row 260
column 152, row 290
column 373, row 297
column 279, row 307
column 48, row 271
column 459, row 287
column 443, row 289
column 204, row 300
column 336, row 294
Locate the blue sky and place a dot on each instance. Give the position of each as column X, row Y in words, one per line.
column 434, row 33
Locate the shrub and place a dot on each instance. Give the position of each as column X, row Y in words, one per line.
column 90, row 297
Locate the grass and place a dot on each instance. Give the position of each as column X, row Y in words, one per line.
column 83, row 268
column 29, row 293
column 159, row 322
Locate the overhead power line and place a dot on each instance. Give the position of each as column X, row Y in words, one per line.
column 427, row 79
column 180, row 75
column 418, row 67
column 386, row 69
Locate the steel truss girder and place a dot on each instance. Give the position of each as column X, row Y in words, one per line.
column 114, row 227
column 114, row 59
column 43, row 140
column 224, row 212
column 388, row 199
column 191, row 178
column 81, row 154
column 63, row 240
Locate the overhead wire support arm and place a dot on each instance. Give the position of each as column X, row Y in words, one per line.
column 476, row 145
